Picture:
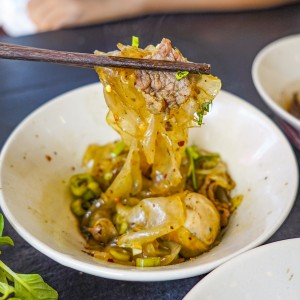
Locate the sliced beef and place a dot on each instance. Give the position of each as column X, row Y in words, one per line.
column 162, row 91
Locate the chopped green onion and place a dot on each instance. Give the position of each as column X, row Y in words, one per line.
column 120, row 146
column 198, row 155
column 193, row 155
column 148, row 262
column 193, row 152
column 194, row 178
column 181, row 74
column 211, row 156
column 135, row 41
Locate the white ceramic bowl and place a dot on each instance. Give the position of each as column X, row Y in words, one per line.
column 276, row 76
column 47, row 146
column 268, row 272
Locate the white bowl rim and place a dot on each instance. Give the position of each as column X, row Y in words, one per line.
column 136, row 274
column 280, row 111
column 255, row 66
column 237, row 261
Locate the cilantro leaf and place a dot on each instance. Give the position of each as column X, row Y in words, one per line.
column 181, row 74
column 204, row 109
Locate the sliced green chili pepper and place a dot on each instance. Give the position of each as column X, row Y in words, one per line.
column 76, row 207
column 79, row 184
column 94, row 187
column 88, row 195
column 84, row 186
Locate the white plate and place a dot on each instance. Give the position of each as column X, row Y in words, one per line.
column 43, row 151
column 269, row 272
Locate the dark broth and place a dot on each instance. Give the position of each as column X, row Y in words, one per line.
column 293, row 106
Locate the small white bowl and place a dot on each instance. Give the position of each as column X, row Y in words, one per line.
column 47, row 148
column 276, row 76
column 268, row 272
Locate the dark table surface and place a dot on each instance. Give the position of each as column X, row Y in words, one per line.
column 228, row 41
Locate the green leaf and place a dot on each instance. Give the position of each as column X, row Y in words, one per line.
column 193, row 152
column 26, row 287
column 33, row 287
column 6, row 290
column 3, row 276
column 204, row 109
column 29, row 286
column 4, row 240
column 1, row 224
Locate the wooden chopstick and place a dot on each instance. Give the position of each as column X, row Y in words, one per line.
column 84, row 60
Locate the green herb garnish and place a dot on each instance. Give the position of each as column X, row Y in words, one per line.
column 193, row 156
column 181, row 74
column 204, row 109
column 21, row 286
column 135, row 41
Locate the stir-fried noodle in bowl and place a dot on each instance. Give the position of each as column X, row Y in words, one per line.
column 150, row 199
